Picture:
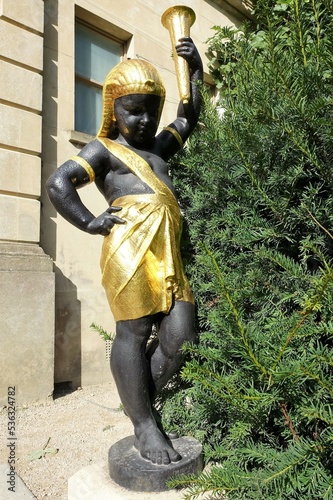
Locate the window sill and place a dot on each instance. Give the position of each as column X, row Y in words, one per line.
column 80, row 138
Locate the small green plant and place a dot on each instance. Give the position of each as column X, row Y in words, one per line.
column 41, row 453
column 107, row 336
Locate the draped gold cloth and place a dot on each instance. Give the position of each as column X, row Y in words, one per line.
column 142, row 270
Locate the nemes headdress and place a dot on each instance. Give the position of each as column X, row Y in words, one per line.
column 133, row 76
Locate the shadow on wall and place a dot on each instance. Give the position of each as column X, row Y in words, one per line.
column 67, row 367
column 49, row 124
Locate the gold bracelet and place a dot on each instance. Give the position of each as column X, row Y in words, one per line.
column 84, row 164
column 176, row 135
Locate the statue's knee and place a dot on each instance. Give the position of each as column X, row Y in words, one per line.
column 173, row 346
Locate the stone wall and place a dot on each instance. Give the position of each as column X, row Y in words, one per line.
column 26, row 272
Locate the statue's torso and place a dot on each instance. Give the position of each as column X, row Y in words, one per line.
column 117, row 180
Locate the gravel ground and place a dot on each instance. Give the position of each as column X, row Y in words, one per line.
column 81, row 425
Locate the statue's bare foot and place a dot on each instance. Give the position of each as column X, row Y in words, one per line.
column 153, row 446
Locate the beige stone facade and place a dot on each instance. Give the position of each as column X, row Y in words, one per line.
column 26, row 272
column 45, row 329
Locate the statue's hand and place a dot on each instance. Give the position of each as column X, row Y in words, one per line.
column 105, row 222
column 186, row 49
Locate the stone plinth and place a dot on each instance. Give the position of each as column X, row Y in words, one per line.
column 26, row 322
column 128, row 469
column 94, row 483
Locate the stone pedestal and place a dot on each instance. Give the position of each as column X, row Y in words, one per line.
column 128, row 469
column 94, row 483
column 26, row 322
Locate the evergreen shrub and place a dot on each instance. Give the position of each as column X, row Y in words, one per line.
column 256, row 187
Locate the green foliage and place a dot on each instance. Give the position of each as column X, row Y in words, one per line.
column 256, row 188
column 107, row 336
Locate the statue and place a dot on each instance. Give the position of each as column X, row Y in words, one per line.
column 142, row 271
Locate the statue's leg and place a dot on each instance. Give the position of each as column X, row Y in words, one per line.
column 131, row 373
column 165, row 356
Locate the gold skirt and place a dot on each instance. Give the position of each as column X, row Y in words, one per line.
column 142, row 270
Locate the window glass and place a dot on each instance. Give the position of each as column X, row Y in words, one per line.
column 95, row 55
column 88, row 108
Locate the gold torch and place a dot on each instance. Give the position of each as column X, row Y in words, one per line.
column 178, row 20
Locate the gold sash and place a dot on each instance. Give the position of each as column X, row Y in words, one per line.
column 142, row 271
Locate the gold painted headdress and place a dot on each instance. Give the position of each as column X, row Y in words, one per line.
column 133, row 76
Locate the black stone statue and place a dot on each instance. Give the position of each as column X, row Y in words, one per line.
column 142, row 271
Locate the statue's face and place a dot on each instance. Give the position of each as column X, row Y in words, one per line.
column 137, row 117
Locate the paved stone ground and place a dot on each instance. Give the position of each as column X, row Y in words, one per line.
column 81, row 425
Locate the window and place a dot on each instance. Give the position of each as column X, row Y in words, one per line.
column 212, row 91
column 213, row 94
column 95, row 55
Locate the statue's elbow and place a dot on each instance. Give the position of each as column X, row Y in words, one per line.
column 53, row 187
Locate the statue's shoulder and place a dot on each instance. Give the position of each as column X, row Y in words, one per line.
column 94, row 148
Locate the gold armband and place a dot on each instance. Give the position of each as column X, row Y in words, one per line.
column 84, row 164
column 176, row 135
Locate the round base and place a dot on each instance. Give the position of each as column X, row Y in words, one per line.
column 128, row 469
